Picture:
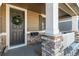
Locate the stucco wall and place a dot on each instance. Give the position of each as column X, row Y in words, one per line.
column 32, row 21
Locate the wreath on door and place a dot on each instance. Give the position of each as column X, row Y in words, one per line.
column 17, row 20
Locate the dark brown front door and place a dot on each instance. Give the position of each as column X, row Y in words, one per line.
column 17, row 27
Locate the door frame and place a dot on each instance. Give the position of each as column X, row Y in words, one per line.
column 8, row 6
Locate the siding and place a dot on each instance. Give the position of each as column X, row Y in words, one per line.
column 0, row 20
column 3, row 23
column 3, row 18
column 78, row 24
column 32, row 21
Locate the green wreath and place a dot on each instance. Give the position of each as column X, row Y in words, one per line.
column 17, row 20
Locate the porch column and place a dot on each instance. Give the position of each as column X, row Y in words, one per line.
column 75, row 23
column 52, row 43
column 52, row 19
column 75, row 27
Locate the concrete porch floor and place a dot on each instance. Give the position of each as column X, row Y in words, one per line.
column 31, row 50
column 25, row 51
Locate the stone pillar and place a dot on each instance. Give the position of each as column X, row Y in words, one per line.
column 52, row 45
column 75, row 27
column 3, row 42
column 52, row 40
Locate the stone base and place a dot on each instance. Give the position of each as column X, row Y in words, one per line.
column 3, row 43
column 33, row 39
column 52, row 45
column 71, row 50
column 76, row 36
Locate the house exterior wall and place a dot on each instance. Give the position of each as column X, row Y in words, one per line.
column 0, row 19
column 3, row 18
column 32, row 18
column 3, row 24
column 33, row 21
column 65, row 24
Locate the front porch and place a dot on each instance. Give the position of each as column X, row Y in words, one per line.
column 34, row 50
column 48, row 29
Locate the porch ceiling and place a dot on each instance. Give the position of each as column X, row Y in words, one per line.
column 75, row 7
column 63, row 14
column 65, row 9
column 36, row 7
column 70, row 8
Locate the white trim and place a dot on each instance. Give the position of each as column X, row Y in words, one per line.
column 75, row 23
column 68, row 19
column 8, row 6
column 17, row 46
column 76, row 16
column 64, row 21
column 43, row 31
column 1, row 34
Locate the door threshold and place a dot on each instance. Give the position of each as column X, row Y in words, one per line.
column 17, row 46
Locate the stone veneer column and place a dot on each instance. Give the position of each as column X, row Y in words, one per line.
column 52, row 45
column 3, row 42
column 52, row 40
column 75, row 27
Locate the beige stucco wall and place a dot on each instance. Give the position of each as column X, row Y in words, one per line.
column 3, row 18
column 32, row 21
